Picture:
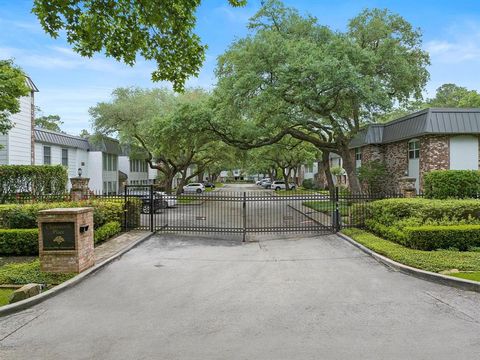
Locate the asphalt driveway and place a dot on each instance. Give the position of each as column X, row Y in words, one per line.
column 178, row 297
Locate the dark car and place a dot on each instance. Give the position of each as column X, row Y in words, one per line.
column 209, row 184
column 159, row 202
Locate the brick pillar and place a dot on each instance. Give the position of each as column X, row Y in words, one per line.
column 66, row 240
column 79, row 188
column 407, row 186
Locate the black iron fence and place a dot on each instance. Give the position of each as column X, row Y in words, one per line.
column 249, row 212
column 264, row 211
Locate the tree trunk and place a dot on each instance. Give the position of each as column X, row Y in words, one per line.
column 181, row 184
column 295, row 180
column 326, row 170
column 286, row 176
column 200, row 176
column 349, row 166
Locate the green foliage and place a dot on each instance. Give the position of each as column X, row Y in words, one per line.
column 454, row 96
column 26, row 273
column 308, row 184
column 49, row 122
column 25, row 216
column 5, row 296
column 12, row 87
column 461, row 237
column 18, row 242
column 389, row 211
column 294, row 76
column 106, row 231
column 390, row 218
column 475, row 276
column 123, row 29
column 443, row 184
column 35, row 180
column 374, row 175
column 426, row 260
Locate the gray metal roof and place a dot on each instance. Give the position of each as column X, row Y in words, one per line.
column 94, row 143
column 56, row 138
column 424, row 122
column 105, row 144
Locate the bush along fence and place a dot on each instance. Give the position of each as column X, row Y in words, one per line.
column 34, row 180
column 18, row 222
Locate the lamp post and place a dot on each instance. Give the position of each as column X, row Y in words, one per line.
column 79, row 172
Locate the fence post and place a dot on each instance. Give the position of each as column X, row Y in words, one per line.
column 125, row 210
column 336, row 213
column 244, row 216
column 152, row 208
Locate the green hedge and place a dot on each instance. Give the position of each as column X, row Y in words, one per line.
column 106, row 231
column 35, row 180
column 389, row 211
column 104, row 211
column 461, row 237
column 19, row 242
column 443, row 184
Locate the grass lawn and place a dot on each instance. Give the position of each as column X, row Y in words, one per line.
column 328, row 206
column 5, row 296
column 29, row 272
column 436, row 261
column 475, row 276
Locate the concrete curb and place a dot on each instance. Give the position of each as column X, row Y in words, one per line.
column 463, row 284
column 27, row 303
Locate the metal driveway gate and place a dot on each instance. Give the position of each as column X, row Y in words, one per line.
column 228, row 212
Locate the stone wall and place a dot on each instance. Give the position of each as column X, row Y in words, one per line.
column 396, row 160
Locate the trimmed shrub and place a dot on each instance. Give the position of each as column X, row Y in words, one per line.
column 460, row 237
column 443, row 184
column 35, row 180
column 308, row 184
column 390, row 211
column 18, row 242
column 106, row 231
column 25, row 216
column 26, row 273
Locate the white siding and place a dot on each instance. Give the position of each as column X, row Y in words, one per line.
column 3, row 149
column 464, row 152
column 95, row 171
column 20, row 136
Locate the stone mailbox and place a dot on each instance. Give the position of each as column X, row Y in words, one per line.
column 66, row 240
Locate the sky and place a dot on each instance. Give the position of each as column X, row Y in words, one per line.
column 69, row 84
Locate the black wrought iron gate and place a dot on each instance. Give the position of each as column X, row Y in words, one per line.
column 229, row 212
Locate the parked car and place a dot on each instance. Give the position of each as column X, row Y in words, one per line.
column 170, row 199
column 266, row 184
column 194, row 188
column 259, row 182
column 280, row 185
column 209, row 184
column 160, row 201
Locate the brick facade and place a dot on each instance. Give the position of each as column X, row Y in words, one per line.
column 434, row 155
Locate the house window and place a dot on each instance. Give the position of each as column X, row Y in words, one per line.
column 65, row 157
column 47, row 155
column 114, row 162
column 414, row 149
column 358, row 157
column 104, row 158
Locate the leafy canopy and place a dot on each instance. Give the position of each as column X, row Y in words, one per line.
column 157, row 30
column 12, row 87
column 294, row 76
column 49, row 122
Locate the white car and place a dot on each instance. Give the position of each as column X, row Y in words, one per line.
column 170, row 199
column 197, row 188
column 259, row 182
column 280, row 185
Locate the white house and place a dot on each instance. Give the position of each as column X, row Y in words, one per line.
column 17, row 145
